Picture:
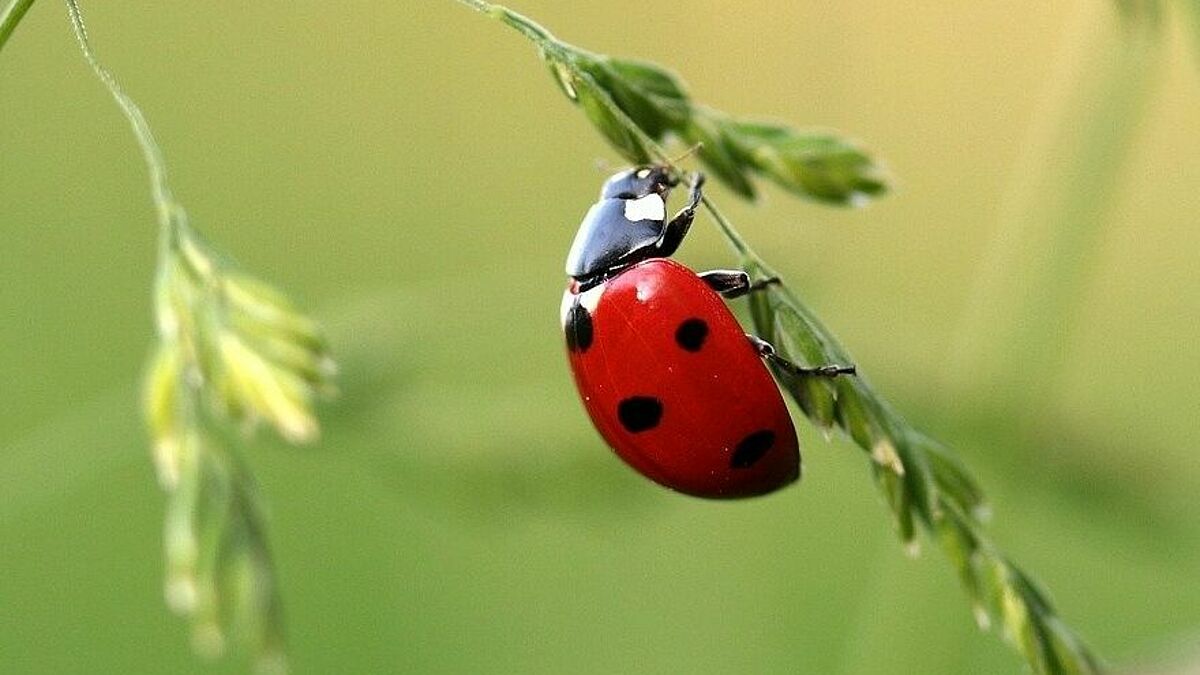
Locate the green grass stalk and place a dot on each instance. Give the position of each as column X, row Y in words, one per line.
column 11, row 17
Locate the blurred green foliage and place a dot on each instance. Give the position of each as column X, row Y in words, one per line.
column 460, row 514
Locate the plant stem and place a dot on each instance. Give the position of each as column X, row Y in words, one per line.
column 732, row 237
column 171, row 215
column 11, row 17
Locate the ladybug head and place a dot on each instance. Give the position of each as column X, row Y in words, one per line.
column 638, row 182
column 628, row 224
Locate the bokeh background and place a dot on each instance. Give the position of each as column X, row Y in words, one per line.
column 1028, row 293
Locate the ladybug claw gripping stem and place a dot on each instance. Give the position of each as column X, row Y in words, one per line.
column 767, row 351
column 834, row 371
column 763, row 283
column 695, row 192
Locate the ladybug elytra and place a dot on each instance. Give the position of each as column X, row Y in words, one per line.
column 664, row 369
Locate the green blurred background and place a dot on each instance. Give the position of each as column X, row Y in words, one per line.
column 1028, row 294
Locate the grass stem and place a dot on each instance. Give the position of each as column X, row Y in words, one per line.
column 11, row 17
column 170, row 213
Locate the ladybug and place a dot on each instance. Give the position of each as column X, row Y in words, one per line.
column 666, row 373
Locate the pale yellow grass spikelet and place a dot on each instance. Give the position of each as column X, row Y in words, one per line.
column 161, row 405
column 268, row 392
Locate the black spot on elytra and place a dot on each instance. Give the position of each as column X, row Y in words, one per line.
column 640, row 413
column 752, row 448
column 578, row 328
column 691, row 334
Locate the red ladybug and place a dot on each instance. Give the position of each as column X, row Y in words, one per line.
column 665, row 371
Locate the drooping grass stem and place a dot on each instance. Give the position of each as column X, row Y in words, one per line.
column 230, row 349
column 12, row 16
column 171, row 215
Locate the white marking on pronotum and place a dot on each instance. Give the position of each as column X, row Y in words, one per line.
column 650, row 207
column 643, row 173
column 590, row 299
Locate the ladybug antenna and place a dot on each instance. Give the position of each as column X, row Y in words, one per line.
column 687, row 153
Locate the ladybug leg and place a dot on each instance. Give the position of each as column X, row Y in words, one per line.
column 677, row 229
column 763, row 283
column 730, row 283
column 734, row 283
column 767, row 351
